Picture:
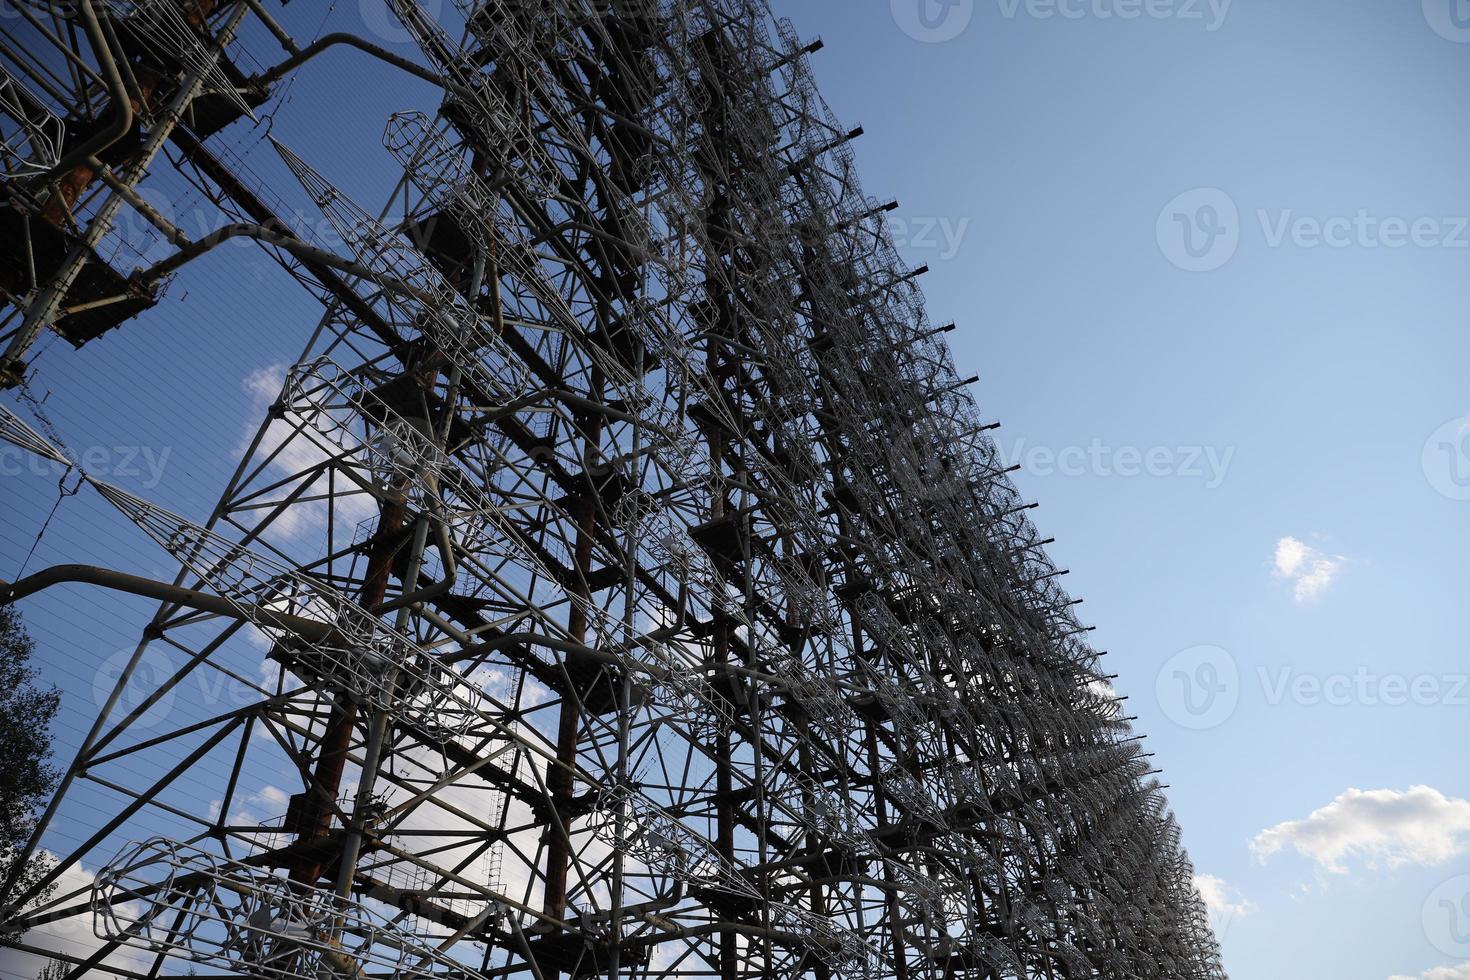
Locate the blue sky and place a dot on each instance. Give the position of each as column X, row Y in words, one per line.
column 1254, row 472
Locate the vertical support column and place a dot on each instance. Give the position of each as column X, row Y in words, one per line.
column 569, row 723
column 720, row 642
column 336, row 741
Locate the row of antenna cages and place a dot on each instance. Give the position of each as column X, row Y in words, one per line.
column 440, row 298
column 341, row 644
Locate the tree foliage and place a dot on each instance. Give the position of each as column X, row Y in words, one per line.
column 26, row 711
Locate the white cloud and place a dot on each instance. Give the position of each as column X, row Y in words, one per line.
column 1419, row 825
column 1224, row 902
column 265, row 383
column 292, row 453
column 1311, row 571
column 1291, row 554
column 265, row 804
column 1460, row 971
column 71, row 936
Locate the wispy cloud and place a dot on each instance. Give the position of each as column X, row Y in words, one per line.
column 1310, row 571
column 1419, row 825
column 1225, row 903
column 251, row 807
column 69, row 936
column 1460, row 971
column 291, row 454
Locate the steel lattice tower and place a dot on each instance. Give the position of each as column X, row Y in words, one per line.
column 675, row 615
